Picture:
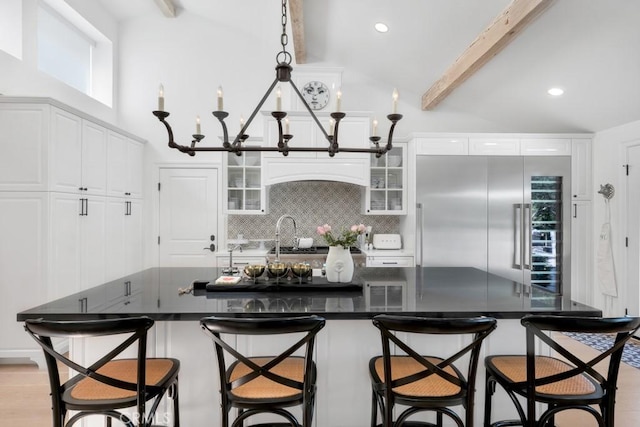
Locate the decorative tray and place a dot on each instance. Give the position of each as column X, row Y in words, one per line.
column 319, row 284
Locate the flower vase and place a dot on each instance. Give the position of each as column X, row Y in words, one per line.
column 339, row 266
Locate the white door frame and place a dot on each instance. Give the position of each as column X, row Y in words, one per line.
column 155, row 202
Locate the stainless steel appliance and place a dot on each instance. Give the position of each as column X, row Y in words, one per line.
column 509, row 216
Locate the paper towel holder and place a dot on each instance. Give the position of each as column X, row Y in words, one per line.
column 607, row 191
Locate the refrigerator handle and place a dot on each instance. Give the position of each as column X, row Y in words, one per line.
column 517, row 236
column 526, row 237
column 419, row 226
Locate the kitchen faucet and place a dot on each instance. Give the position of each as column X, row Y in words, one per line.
column 295, row 235
column 231, row 270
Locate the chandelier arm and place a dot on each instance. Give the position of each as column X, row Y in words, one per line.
column 221, row 115
column 162, row 115
column 375, row 140
column 395, row 118
column 333, row 145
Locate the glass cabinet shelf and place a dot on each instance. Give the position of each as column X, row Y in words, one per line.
column 244, row 189
column 386, row 192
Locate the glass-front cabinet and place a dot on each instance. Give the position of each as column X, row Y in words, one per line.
column 386, row 193
column 245, row 192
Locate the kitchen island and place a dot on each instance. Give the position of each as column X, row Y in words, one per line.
column 344, row 346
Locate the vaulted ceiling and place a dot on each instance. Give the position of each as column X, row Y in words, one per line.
column 587, row 47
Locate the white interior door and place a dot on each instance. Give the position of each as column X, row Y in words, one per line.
column 188, row 217
column 633, row 231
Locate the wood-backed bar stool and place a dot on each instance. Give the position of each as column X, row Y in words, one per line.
column 267, row 383
column 110, row 384
column 425, row 383
column 564, row 381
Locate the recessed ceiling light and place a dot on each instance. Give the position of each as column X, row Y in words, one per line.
column 381, row 27
column 555, row 91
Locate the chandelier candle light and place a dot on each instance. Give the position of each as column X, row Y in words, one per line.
column 283, row 75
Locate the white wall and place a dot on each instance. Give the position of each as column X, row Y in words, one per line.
column 22, row 77
column 608, row 155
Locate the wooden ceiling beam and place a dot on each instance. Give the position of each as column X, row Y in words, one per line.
column 167, row 8
column 488, row 44
column 297, row 26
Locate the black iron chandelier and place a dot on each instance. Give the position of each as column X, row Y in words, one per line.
column 283, row 75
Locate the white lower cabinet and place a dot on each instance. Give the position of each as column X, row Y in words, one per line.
column 581, row 254
column 23, row 273
column 55, row 208
column 123, row 243
column 77, row 236
column 389, row 261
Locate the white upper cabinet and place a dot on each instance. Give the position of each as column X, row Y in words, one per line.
column 581, row 174
column 494, row 146
column 545, row 146
column 124, row 160
column 441, row 146
column 243, row 182
column 25, row 141
column 66, row 151
column 50, row 147
column 94, row 153
column 386, row 193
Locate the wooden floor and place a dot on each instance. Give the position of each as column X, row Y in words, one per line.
column 24, row 396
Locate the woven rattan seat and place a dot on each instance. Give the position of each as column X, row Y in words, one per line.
column 109, row 385
column 264, row 388
column 266, row 383
column 157, row 371
column 562, row 381
column 432, row 386
column 425, row 383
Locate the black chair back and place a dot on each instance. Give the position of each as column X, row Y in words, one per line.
column 256, row 367
column 551, row 374
column 538, row 326
column 133, row 332
column 439, row 365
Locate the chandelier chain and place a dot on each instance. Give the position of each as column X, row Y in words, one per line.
column 284, row 38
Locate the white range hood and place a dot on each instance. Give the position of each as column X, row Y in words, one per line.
column 283, row 169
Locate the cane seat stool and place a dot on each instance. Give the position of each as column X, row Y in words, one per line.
column 110, row 385
column 426, row 383
column 266, row 383
column 561, row 380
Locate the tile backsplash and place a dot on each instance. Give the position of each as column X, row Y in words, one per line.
column 310, row 203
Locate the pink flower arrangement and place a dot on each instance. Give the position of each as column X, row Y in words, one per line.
column 346, row 239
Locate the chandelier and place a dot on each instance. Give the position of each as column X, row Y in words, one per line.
column 283, row 75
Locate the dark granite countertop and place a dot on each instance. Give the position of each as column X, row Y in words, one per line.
column 437, row 291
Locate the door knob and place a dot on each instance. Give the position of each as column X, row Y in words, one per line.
column 211, row 247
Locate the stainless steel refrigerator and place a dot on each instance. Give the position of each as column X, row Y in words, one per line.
column 509, row 216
